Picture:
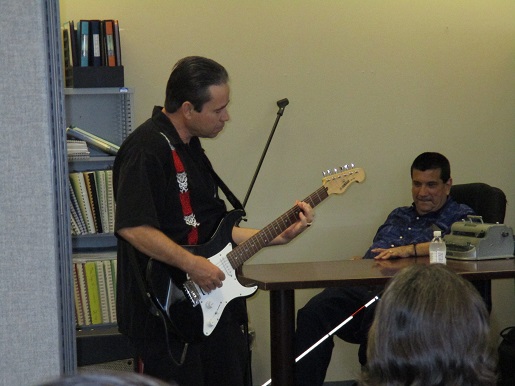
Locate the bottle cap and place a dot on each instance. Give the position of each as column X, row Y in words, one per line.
column 437, row 233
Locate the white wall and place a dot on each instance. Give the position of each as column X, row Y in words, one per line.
column 374, row 83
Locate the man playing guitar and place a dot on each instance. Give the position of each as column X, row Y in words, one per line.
column 167, row 197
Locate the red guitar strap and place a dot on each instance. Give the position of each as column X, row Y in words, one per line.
column 184, row 195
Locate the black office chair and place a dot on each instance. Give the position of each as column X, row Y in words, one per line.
column 489, row 203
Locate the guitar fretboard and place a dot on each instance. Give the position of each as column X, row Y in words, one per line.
column 249, row 248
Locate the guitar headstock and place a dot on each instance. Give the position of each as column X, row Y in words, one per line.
column 338, row 180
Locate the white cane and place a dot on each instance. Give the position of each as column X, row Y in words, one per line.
column 329, row 334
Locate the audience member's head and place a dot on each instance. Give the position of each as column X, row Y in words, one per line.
column 431, row 327
column 107, row 378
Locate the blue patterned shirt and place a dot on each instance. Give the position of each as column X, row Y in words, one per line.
column 405, row 226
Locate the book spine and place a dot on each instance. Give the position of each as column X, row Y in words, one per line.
column 111, row 205
column 93, row 293
column 84, row 43
column 111, row 56
column 67, row 53
column 114, row 270
column 89, row 178
column 83, row 289
column 110, row 284
column 96, row 58
column 75, row 227
column 117, row 46
column 100, row 182
column 102, row 291
column 72, row 35
column 79, row 310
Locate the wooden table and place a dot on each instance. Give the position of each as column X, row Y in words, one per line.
column 283, row 279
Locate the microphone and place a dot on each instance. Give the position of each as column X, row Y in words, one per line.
column 282, row 104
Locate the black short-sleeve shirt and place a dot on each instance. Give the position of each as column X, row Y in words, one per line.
column 147, row 193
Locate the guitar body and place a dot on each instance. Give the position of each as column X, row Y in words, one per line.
column 191, row 312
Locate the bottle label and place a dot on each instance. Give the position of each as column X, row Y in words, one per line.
column 437, row 257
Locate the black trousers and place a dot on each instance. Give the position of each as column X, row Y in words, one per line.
column 220, row 359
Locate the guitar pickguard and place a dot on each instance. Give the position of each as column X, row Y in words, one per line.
column 214, row 302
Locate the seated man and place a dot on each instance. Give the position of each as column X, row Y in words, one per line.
column 406, row 232
column 430, row 328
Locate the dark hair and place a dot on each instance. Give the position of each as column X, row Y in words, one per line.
column 431, row 328
column 189, row 81
column 107, row 378
column 431, row 160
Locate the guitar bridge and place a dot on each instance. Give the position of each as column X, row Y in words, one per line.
column 191, row 290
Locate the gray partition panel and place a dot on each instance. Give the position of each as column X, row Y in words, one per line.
column 36, row 338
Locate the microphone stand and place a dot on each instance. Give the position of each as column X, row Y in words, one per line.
column 282, row 104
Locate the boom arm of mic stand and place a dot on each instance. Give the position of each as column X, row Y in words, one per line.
column 282, row 104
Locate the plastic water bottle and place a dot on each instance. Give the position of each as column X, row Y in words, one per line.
column 437, row 249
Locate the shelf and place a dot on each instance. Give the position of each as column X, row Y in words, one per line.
column 94, row 241
column 91, row 163
column 97, row 329
column 102, row 344
column 98, row 90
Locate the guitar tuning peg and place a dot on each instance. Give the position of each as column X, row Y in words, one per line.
column 337, row 170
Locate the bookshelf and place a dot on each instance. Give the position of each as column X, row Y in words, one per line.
column 106, row 113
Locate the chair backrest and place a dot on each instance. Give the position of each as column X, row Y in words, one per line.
column 487, row 201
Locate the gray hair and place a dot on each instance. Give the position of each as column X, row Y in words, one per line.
column 431, row 328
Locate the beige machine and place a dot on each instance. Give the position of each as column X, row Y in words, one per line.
column 475, row 240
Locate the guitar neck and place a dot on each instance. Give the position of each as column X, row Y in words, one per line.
column 249, row 248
